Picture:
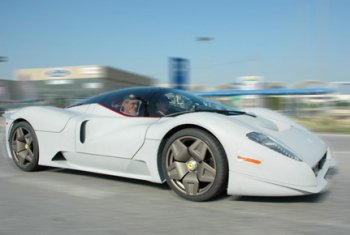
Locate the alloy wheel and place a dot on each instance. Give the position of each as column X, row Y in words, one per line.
column 190, row 165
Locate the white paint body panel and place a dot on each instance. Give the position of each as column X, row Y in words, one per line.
column 129, row 147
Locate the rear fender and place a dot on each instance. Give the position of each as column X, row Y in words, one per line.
column 44, row 118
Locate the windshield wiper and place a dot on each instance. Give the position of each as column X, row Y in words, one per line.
column 225, row 112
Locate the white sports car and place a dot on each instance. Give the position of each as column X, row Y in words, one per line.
column 201, row 148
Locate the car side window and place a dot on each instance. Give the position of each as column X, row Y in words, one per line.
column 127, row 103
column 168, row 103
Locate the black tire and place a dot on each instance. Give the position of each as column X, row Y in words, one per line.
column 24, row 146
column 194, row 164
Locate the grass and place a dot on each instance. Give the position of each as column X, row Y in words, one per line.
column 325, row 124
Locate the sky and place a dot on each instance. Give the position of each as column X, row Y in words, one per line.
column 279, row 40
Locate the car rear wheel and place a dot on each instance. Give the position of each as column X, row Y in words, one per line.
column 24, row 146
column 195, row 164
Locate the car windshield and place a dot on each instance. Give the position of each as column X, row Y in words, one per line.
column 176, row 102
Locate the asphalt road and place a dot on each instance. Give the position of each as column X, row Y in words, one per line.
column 57, row 201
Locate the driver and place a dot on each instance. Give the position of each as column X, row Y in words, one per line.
column 130, row 105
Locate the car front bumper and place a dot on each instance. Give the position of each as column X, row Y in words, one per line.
column 246, row 185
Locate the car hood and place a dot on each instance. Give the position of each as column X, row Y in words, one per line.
column 308, row 147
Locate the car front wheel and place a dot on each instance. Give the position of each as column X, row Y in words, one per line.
column 195, row 164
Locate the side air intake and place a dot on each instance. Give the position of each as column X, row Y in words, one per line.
column 59, row 157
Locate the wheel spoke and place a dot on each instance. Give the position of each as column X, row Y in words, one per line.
column 22, row 157
column 198, row 150
column 180, row 151
column 30, row 156
column 206, row 173
column 177, row 170
column 14, row 146
column 19, row 146
column 191, row 183
column 20, row 134
column 28, row 139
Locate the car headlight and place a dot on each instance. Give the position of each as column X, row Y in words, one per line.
column 272, row 144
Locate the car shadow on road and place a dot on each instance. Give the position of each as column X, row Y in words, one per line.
column 118, row 179
column 313, row 198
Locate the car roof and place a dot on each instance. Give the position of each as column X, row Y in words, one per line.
column 147, row 90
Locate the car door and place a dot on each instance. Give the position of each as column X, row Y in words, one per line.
column 109, row 131
column 116, row 136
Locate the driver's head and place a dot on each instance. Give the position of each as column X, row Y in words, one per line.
column 131, row 105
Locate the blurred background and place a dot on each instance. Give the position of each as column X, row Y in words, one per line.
column 291, row 56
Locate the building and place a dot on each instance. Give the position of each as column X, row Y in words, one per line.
column 7, row 90
column 64, row 85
